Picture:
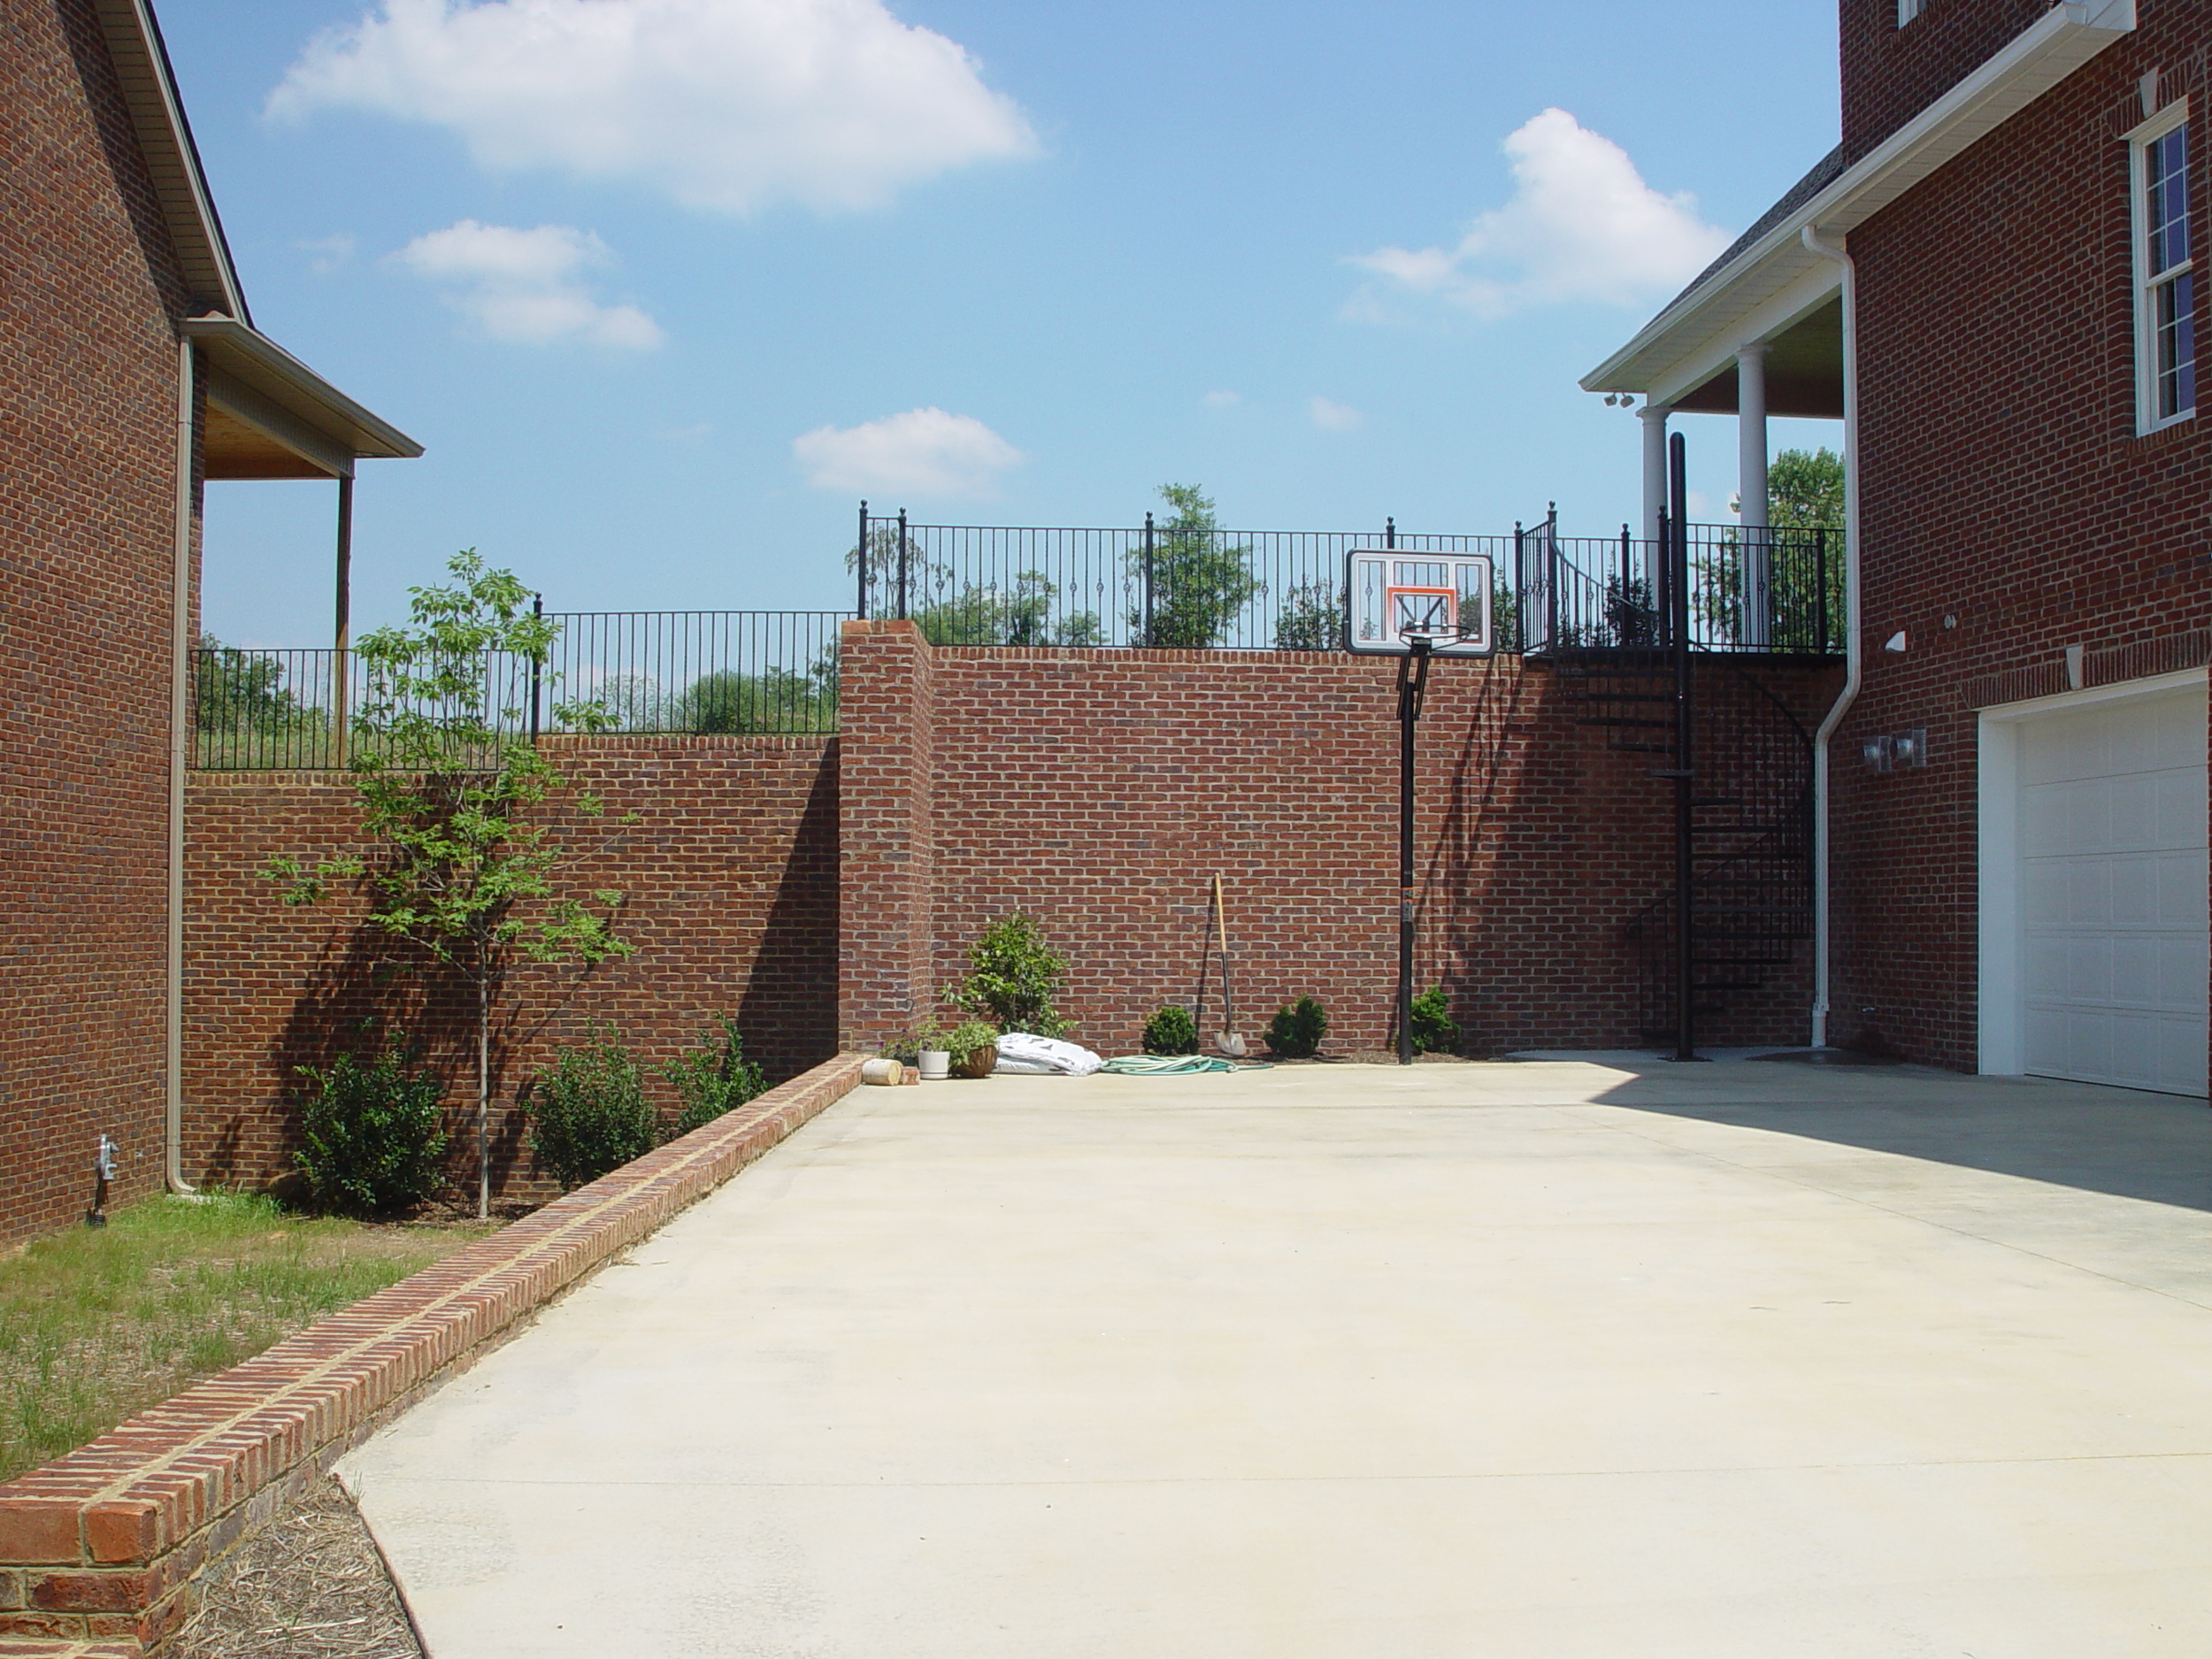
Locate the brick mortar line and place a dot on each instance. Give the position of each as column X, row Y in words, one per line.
column 548, row 1248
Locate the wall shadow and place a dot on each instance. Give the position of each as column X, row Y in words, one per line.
column 2123, row 1142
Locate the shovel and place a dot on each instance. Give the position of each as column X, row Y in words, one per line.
column 1227, row 1040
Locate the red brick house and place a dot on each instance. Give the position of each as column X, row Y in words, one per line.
column 1991, row 283
column 134, row 374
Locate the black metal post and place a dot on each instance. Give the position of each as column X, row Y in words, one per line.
column 1390, row 533
column 1413, row 684
column 1626, row 605
column 1820, row 591
column 342, row 638
column 1145, row 574
column 862, row 561
column 1520, row 588
column 1685, row 762
column 905, row 605
column 537, row 608
column 1551, row 575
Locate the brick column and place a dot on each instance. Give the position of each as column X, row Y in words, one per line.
column 885, row 726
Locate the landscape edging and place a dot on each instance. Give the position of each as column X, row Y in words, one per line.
column 101, row 1546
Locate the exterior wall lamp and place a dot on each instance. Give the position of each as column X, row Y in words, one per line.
column 1898, row 751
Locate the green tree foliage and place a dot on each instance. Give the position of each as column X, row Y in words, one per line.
column 713, row 1079
column 1199, row 583
column 1311, row 619
column 1295, row 1032
column 1434, row 1031
column 1171, row 1031
column 1019, row 615
column 465, row 875
column 372, row 1134
column 1805, row 494
column 240, row 690
column 775, row 700
column 1014, row 976
column 588, row 1113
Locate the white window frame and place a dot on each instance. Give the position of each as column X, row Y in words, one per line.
column 1908, row 9
column 2148, row 419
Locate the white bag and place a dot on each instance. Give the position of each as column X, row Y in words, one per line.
column 1020, row 1054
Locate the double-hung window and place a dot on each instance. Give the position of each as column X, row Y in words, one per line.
column 2165, row 274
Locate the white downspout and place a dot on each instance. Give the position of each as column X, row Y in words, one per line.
column 1842, row 705
column 180, row 764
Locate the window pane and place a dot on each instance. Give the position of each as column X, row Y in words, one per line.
column 2166, row 204
column 2176, row 347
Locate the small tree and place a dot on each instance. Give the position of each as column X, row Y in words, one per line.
column 464, row 876
column 1312, row 618
column 1198, row 584
column 1014, row 977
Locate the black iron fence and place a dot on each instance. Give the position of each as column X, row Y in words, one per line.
column 1159, row 585
column 1777, row 591
column 636, row 671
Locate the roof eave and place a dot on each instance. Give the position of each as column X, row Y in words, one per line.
column 252, row 358
column 2028, row 66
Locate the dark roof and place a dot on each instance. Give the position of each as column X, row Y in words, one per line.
column 1825, row 172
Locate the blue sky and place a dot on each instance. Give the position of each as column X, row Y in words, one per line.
column 663, row 284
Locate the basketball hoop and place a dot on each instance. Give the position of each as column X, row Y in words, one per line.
column 1401, row 602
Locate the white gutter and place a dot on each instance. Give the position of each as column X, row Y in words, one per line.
column 1851, row 639
column 2018, row 73
column 180, row 764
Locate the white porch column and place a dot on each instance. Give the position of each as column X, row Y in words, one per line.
column 1751, row 451
column 1654, row 419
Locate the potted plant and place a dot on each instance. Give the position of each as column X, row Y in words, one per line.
column 974, row 1048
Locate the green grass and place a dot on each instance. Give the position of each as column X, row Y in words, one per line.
column 96, row 1325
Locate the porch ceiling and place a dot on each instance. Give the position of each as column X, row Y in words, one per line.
column 1804, row 371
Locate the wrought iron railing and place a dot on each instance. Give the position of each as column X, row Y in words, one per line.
column 1777, row 591
column 1161, row 585
column 634, row 671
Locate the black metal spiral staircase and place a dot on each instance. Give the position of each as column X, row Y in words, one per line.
column 1749, row 824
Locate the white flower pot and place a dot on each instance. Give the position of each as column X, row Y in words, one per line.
column 936, row 1062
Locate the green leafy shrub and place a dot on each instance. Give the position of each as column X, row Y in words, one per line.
column 1171, row 1031
column 713, row 1079
column 373, row 1143
column 588, row 1114
column 1014, row 976
column 1295, row 1032
column 1434, row 1031
column 965, row 1039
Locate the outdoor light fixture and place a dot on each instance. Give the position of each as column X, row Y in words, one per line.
column 1895, row 642
column 1900, row 748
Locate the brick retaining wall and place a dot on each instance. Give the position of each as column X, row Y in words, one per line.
column 730, row 880
column 1099, row 790
column 104, row 1545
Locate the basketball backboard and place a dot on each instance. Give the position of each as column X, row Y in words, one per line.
column 1393, row 594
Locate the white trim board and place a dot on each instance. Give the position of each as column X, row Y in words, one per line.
column 2001, row 1044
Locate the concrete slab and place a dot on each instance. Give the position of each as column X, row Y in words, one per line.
column 1532, row 1361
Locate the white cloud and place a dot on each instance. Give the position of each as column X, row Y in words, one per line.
column 525, row 286
column 328, row 255
column 724, row 104
column 1220, row 400
column 1582, row 225
column 1333, row 417
column 925, row 451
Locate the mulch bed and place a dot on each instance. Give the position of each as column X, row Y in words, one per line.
column 311, row 1585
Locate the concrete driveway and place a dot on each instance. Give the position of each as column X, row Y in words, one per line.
column 1528, row 1360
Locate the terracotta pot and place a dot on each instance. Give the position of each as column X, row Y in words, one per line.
column 976, row 1062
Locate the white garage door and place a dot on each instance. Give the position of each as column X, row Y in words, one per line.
column 2112, row 893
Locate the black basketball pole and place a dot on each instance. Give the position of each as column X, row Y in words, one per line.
column 1678, row 557
column 1413, row 682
